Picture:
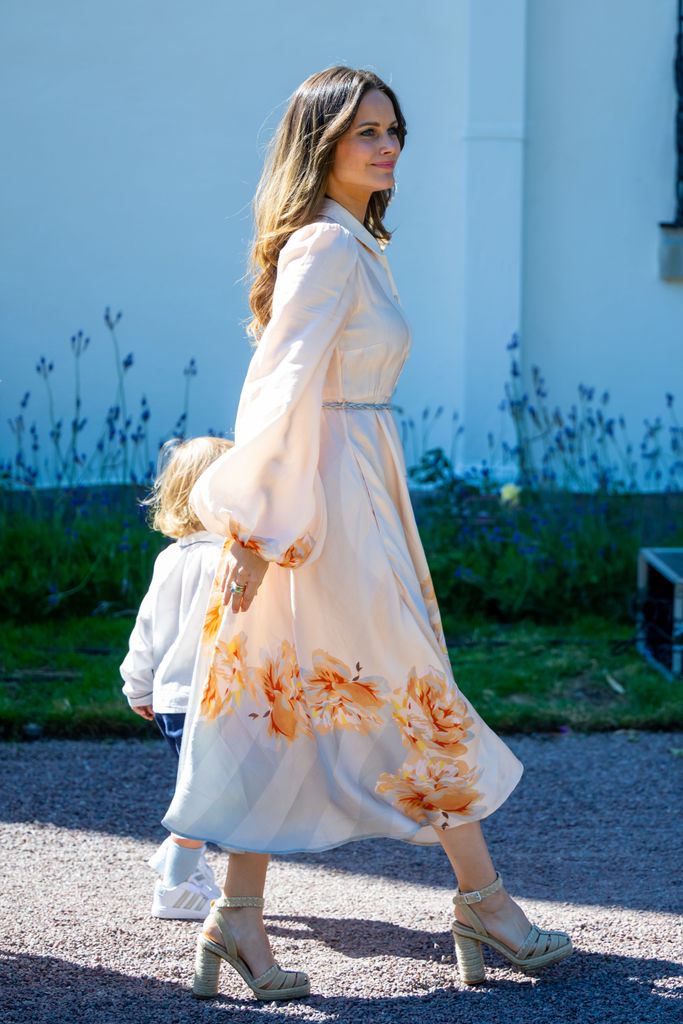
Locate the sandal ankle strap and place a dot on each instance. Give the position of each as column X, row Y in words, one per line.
column 238, row 901
column 477, row 895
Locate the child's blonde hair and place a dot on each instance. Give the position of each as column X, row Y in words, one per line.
column 181, row 464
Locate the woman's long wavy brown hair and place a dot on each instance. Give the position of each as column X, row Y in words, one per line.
column 298, row 162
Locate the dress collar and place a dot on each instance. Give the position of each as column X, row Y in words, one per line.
column 335, row 210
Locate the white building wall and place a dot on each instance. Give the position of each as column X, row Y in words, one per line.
column 599, row 178
column 133, row 136
column 489, row 291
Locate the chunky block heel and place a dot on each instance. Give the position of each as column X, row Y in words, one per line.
column 470, row 959
column 539, row 948
column 207, row 965
column 273, row 984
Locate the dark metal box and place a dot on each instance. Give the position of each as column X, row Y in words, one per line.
column 660, row 609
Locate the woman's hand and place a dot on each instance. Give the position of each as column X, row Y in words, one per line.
column 247, row 569
column 145, row 711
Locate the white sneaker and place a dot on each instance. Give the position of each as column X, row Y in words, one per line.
column 203, row 873
column 205, row 876
column 189, row 901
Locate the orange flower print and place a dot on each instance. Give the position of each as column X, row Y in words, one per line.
column 227, row 678
column 213, row 618
column 280, row 683
column 339, row 700
column 431, row 713
column 253, row 544
column 215, row 607
column 297, row 552
column 239, row 533
column 429, row 597
column 427, row 588
column 432, row 789
column 211, row 702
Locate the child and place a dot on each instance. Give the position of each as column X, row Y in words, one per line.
column 157, row 670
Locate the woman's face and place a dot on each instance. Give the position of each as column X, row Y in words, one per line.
column 366, row 154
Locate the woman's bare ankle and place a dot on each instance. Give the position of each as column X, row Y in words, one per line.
column 495, row 901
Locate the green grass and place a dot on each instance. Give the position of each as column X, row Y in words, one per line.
column 528, row 677
column 63, row 676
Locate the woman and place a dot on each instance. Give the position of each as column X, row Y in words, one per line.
column 324, row 708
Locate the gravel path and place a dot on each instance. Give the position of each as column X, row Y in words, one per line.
column 589, row 842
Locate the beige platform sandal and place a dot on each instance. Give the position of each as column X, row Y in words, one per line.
column 538, row 949
column 272, row 984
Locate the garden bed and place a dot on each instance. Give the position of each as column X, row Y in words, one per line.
column 550, row 557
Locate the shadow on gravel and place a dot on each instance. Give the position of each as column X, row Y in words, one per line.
column 584, row 988
column 591, row 821
column 358, row 938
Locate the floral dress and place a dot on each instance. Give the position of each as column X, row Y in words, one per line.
column 328, row 711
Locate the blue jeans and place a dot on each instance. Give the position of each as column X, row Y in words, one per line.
column 171, row 726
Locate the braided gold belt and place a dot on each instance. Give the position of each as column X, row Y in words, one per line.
column 358, row 405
